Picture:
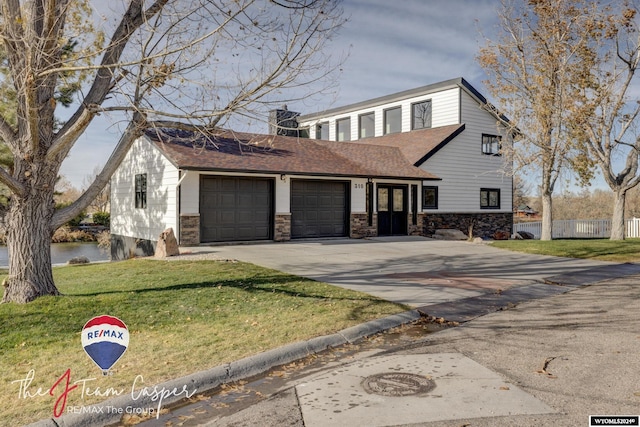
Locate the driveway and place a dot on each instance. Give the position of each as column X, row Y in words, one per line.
column 414, row 271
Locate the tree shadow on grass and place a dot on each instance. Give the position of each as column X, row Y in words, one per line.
column 263, row 284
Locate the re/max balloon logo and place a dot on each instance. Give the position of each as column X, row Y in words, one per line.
column 105, row 339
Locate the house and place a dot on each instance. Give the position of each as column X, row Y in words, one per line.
column 446, row 129
column 405, row 164
column 233, row 186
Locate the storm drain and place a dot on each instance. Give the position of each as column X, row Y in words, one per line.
column 397, row 384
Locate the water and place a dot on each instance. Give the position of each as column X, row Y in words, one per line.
column 63, row 252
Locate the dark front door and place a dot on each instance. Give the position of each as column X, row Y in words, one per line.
column 318, row 208
column 235, row 208
column 392, row 210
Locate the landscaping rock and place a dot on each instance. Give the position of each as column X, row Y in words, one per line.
column 449, row 234
column 167, row 244
column 78, row 260
column 501, row 235
column 525, row 235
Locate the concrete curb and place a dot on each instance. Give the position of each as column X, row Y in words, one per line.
column 175, row 390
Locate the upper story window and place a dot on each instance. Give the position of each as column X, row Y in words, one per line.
column 393, row 120
column 489, row 198
column 141, row 191
column 343, row 129
column 421, row 115
column 366, row 126
column 491, row 144
column 322, row 130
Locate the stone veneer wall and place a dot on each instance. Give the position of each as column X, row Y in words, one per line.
column 417, row 229
column 484, row 224
column 189, row 229
column 360, row 227
column 283, row 227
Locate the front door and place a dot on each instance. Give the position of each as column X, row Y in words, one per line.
column 392, row 210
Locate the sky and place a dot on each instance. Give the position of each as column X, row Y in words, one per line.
column 391, row 46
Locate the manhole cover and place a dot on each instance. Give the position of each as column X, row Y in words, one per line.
column 397, row 384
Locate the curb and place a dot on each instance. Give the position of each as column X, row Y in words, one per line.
column 175, row 390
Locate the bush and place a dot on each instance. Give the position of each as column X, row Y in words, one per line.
column 66, row 234
column 102, row 218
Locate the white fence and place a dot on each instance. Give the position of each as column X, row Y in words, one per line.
column 579, row 229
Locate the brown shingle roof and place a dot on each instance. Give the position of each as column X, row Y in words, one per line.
column 418, row 145
column 234, row 151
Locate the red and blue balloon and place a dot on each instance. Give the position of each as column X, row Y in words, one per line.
column 105, row 339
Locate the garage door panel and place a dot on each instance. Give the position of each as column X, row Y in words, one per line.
column 318, row 208
column 236, row 208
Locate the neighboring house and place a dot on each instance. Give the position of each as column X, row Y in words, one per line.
column 526, row 212
column 417, row 161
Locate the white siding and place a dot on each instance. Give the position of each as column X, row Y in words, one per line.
column 464, row 169
column 162, row 179
column 444, row 106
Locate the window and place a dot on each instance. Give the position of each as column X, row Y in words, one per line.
column 366, row 125
column 490, row 198
column 429, row 197
column 322, row 130
column 343, row 129
column 392, row 120
column 421, row 115
column 491, row 145
column 141, row 191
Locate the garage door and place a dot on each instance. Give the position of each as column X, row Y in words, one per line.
column 235, row 209
column 318, row 209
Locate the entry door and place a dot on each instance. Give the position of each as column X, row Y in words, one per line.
column 392, row 210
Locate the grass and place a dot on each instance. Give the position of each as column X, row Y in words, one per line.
column 182, row 317
column 599, row 249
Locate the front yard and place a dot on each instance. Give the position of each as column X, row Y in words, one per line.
column 182, row 317
column 600, row 249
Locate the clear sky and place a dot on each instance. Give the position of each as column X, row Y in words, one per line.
column 392, row 45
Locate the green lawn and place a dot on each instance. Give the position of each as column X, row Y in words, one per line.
column 600, row 249
column 182, row 317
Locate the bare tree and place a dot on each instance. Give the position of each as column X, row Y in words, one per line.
column 189, row 64
column 532, row 66
column 606, row 119
column 102, row 201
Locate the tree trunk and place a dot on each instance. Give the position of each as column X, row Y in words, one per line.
column 617, row 220
column 29, row 244
column 547, row 217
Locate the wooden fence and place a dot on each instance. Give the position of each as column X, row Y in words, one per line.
column 579, row 229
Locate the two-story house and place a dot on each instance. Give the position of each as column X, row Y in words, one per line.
column 446, row 129
column 408, row 163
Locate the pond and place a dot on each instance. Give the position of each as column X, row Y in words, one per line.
column 63, row 252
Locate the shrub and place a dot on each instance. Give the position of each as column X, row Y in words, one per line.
column 66, row 234
column 102, row 218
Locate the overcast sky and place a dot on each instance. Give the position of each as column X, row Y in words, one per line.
column 392, row 46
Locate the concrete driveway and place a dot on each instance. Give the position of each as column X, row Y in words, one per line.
column 415, row 271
